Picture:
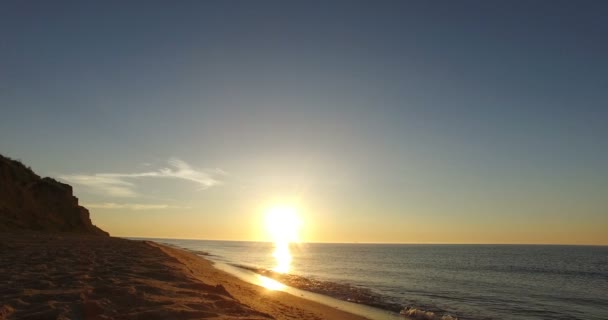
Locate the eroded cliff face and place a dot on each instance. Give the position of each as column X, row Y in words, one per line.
column 28, row 202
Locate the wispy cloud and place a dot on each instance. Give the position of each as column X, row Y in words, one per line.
column 130, row 206
column 122, row 185
column 112, row 186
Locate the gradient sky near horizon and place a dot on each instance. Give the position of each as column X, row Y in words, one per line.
column 382, row 121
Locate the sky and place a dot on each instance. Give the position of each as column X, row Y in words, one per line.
column 380, row 121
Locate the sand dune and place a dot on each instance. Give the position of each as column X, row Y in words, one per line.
column 88, row 277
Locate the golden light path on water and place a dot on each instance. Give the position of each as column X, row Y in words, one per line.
column 282, row 223
column 283, row 256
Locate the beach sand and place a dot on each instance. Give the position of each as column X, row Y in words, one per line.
column 91, row 277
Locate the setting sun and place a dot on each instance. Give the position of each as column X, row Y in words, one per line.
column 283, row 223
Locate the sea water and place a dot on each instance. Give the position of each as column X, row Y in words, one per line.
column 464, row 281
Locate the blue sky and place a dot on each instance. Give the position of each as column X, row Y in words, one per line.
column 468, row 121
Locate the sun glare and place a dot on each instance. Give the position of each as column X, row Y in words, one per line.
column 282, row 224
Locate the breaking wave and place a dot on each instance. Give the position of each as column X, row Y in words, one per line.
column 414, row 313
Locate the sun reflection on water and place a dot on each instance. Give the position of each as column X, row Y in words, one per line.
column 269, row 283
column 282, row 255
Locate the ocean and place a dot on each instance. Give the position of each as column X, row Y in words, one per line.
column 463, row 281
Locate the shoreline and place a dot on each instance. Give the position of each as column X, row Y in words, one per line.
column 270, row 301
column 345, row 296
column 340, row 291
column 66, row 276
column 350, row 298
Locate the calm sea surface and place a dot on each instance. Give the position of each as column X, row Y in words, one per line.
column 465, row 281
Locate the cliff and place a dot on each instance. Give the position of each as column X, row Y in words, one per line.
column 28, row 202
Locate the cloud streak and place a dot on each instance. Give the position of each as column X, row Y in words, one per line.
column 130, row 206
column 122, row 185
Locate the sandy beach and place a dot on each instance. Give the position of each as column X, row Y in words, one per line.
column 90, row 277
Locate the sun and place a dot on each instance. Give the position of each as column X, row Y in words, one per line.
column 283, row 223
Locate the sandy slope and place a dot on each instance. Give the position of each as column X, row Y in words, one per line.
column 88, row 277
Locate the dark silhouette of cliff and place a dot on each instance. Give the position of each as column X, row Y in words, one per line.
column 31, row 203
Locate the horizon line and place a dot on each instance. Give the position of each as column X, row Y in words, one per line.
column 389, row 243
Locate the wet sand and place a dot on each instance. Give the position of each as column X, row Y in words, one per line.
column 91, row 277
